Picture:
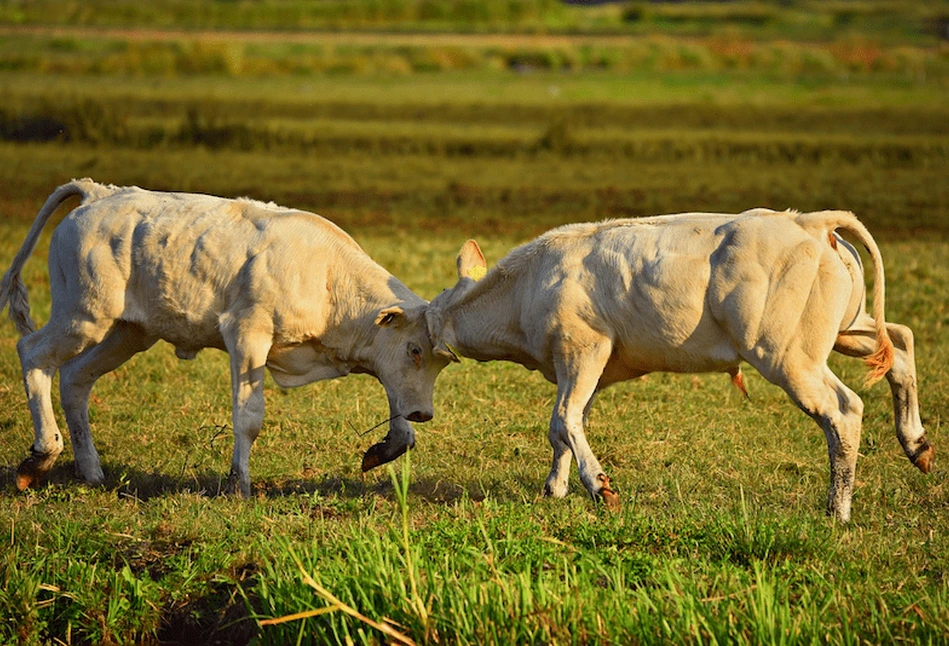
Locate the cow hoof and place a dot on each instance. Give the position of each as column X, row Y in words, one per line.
column 234, row 486
column 555, row 489
column 89, row 471
column 610, row 497
column 94, row 480
column 33, row 470
column 24, row 480
column 924, row 459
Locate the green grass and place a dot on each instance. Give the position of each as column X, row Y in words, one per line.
column 722, row 537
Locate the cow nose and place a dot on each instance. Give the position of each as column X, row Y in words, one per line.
column 419, row 416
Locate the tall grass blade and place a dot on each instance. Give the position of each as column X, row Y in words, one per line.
column 334, row 605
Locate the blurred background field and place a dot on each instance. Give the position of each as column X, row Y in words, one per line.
column 416, row 124
column 525, row 114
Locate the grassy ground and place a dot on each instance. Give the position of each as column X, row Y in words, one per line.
column 722, row 537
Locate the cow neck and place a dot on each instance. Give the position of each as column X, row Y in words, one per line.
column 357, row 295
column 486, row 321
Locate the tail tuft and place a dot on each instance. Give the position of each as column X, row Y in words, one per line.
column 880, row 362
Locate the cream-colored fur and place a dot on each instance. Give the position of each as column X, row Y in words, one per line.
column 272, row 286
column 589, row 305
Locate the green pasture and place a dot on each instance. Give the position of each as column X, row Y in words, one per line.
column 722, row 536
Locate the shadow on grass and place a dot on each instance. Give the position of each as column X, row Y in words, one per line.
column 145, row 485
column 219, row 617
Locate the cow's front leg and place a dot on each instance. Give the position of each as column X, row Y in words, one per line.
column 557, row 482
column 248, row 357
column 399, row 439
column 578, row 375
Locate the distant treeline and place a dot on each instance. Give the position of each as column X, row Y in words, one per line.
column 891, row 20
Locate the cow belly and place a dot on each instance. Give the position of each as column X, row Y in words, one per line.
column 187, row 339
column 173, row 305
column 633, row 359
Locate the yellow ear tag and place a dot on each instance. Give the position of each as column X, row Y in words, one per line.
column 454, row 352
column 477, row 272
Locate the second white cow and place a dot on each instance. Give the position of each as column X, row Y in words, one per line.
column 274, row 287
column 589, row 305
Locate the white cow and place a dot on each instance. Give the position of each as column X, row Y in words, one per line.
column 272, row 286
column 589, row 305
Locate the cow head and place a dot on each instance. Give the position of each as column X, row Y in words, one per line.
column 407, row 366
column 471, row 268
column 405, row 361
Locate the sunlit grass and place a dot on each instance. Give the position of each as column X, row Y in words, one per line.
column 723, row 504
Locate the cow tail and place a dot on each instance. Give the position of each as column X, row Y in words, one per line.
column 12, row 289
column 881, row 361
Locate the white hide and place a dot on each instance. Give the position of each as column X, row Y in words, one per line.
column 272, row 286
column 589, row 305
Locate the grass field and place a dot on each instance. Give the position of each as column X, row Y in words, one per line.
column 383, row 123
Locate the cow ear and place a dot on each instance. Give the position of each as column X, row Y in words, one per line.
column 471, row 262
column 394, row 316
column 444, row 350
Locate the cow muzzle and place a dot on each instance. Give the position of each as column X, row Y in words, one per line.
column 420, row 416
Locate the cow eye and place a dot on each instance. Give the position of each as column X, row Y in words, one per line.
column 416, row 353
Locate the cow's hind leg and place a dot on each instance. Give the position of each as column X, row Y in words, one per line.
column 578, row 374
column 860, row 341
column 248, row 344
column 76, row 379
column 839, row 412
column 41, row 354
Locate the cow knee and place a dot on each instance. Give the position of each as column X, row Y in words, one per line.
column 26, row 351
column 556, row 434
